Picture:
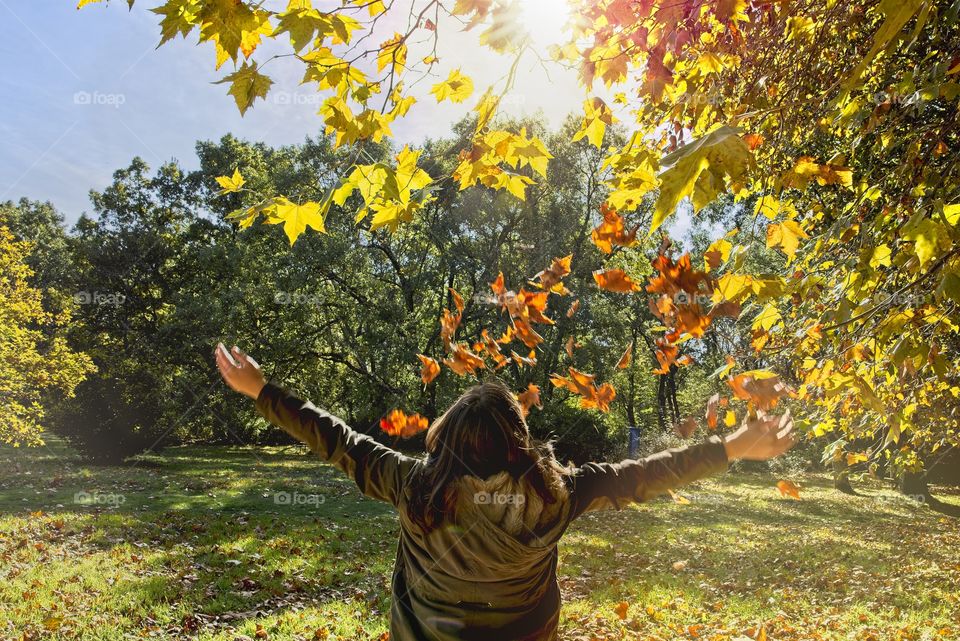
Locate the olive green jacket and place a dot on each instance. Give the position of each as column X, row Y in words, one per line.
column 491, row 572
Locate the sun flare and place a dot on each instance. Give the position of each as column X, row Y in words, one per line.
column 545, row 20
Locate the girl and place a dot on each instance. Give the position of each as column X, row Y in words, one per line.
column 481, row 516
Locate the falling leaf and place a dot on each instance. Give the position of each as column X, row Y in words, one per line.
column 762, row 388
column 550, row 278
column 430, row 369
column 615, row 280
column 686, row 427
column 789, row 489
column 462, row 361
column 396, row 423
column 627, row 357
column 530, row 398
column 711, row 416
column 612, row 231
column 591, row 396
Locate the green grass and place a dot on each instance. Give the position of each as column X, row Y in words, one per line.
column 192, row 543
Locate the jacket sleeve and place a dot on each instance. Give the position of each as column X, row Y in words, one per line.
column 598, row 486
column 378, row 470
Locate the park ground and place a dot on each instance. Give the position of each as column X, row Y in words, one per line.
column 220, row 543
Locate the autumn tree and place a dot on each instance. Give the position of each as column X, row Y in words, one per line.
column 36, row 364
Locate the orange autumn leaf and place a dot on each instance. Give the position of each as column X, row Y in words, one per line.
column 430, row 369
column 529, row 361
column 526, row 334
column 574, row 306
column 612, row 231
column 569, row 347
column 621, row 609
column 615, row 280
column 686, row 427
column 627, row 357
column 457, row 299
column 711, row 416
column 583, row 385
column 676, row 276
column 530, row 398
column 462, row 361
column 498, row 287
column 762, row 388
column 549, row 279
column 789, row 488
column 753, row 141
column 492, row 348
column 396, row 423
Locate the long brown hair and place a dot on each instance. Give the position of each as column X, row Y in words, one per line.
column 482, row 434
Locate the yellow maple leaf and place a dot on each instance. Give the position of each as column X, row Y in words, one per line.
column 231, row 183
column 296, row 218
column 597, row 116
column 457, row 87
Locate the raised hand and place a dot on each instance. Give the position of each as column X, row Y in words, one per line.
column 240, row 372
column 761, row 438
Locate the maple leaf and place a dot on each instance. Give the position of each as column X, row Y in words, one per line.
column 396, row 423
column 591, row 396
column 457, row 87
column 530, row 398
column 686, row 427
column 786, row 235
column 696, row 168
column 296, row 218
column 597, row 116
column 506, row 31
column 179, row 17
column 393, row 53
column 430, row 369
column 550, row 277
column 612, row 231
column 233, row 27
column 462, row 361
column 789, row 489
column 711, row 416
column 246, row 85
column 627, row 357
column 231, row 184
column 621, row 610
column 615, row 280
column 762, row 388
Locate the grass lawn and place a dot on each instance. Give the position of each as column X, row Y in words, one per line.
column 194, row 543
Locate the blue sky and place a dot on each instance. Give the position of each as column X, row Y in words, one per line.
column 86, row 91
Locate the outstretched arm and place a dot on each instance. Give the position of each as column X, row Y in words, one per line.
column 598, row 486
column 378, row 470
